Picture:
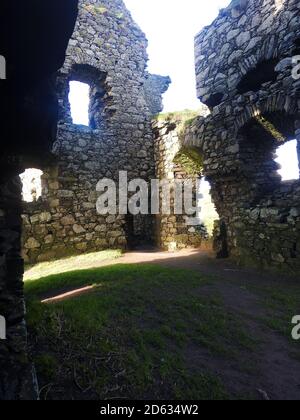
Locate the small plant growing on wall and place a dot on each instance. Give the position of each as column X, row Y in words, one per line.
column 96, row 9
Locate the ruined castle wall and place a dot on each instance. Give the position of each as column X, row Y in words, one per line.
column 244, row 74
column 244, row 35
column 154, row 87
column 172, row 231
column 108, row 52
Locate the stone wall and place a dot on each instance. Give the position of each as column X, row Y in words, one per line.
column 172, row 163
column 16, row 378
column 248, row 35
column 107, row 51
column 154, row 87
column 244, row 74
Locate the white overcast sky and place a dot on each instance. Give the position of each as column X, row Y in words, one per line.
column 170, row 26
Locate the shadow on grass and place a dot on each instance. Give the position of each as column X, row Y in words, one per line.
column 128, row 337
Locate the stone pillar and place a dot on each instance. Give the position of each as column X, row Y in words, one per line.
column 16, row 373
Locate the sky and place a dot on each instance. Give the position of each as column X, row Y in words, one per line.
column 170, row 26
column 79, row 98
column 288, row 159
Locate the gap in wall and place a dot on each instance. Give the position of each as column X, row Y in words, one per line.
column 31, row 184
column 79, row 98
column 287, row 158
column 208, row 213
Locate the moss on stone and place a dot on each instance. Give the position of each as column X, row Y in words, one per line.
column 190, row 160
column 270, row 128
column 119, row 15
column 96, row 9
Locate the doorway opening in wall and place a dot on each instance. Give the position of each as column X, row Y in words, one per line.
column 79, row 99
column 287, row 158
column 138, row 231
column 31, row 185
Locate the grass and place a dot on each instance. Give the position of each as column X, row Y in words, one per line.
column 191, row 160
column 67, row 264
column 184, row 115
column 150, row 332
column 131, row 336
column 282, row 304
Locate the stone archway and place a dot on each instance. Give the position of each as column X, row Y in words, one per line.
column 179, row 166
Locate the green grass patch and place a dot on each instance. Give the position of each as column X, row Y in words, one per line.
column 129, row 337
column 64, row 265
column 282, row 303
column 184, row 115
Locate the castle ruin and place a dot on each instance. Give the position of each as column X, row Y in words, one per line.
column 244, row 67
column 252, row 92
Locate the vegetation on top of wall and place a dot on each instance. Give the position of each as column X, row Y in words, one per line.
column 101, row 9
column 182, row 119
column 270, row 128
column 179, row 116
column 96, row 9
column 190, row 160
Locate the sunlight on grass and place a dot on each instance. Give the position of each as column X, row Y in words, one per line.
column 130, row 336
column 146, row 331
column 65, row 265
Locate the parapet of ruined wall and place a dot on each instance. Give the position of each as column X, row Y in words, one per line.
column 108, row 52
column 154, row 87
column 245, row 74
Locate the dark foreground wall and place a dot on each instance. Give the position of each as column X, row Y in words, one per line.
column 33, row 39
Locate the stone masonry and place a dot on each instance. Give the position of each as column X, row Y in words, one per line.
column 108, row 52
column 174, row 162
column 244, row 64
column 244, row 74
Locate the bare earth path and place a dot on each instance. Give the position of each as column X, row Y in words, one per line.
column 202, row 261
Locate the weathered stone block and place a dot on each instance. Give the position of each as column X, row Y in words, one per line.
column 32, row 243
